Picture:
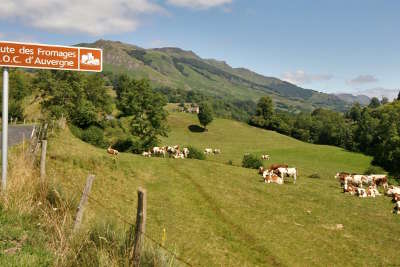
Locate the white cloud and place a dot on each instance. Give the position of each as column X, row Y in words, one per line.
column 380, row 92
column 301, row 77
column 94, row 17
column 362, row 79
column 202, row 4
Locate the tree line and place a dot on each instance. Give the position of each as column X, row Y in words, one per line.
column 373, row 130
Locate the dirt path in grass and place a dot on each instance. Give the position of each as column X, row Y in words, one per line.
column 252, row 241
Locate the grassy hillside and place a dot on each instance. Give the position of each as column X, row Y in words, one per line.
column 220, row 215
column 176, row 68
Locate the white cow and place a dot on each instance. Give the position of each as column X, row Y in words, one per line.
column 208, row 151
column 289, row 172
column 186, row 152
column 217, row 151
column 393, row 190
column 397, row 208
column 265, row 157
column 146, row 154
column 355, row 179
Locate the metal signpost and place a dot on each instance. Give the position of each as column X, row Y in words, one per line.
column 40, row 56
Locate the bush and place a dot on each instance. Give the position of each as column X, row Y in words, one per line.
column 195, row 153
column 94, row 135
column 251, row 162
column 374, row 170
column 315, row 176
column 230, row 162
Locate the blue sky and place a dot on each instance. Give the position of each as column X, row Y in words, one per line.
column 327, row 45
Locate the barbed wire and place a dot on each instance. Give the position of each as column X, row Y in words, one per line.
column 123, row 219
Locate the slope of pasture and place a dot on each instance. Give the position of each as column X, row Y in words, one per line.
column 220, row 215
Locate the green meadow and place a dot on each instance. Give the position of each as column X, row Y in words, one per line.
column 216, row 214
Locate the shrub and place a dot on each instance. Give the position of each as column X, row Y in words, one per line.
column 374, row 170
column 230, row 162
column 195, row 153
column 315, row 176
column 94, row 135
column 251, row 162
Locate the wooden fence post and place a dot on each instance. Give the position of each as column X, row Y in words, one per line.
column 140, row 227
column 82, row 203
column 43, row 161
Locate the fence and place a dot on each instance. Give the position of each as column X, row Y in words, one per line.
column 39, row 138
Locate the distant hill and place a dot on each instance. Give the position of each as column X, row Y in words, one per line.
column 177, row 68
column 361, row 99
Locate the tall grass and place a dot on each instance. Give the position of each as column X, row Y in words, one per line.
column 100, row 243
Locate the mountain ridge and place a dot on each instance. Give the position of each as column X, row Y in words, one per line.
column 177, row 68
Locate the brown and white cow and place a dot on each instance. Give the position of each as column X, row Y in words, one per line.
column 288, row 172
column 265, row 157
column 379, row 179
column 112, row 151
column 261, row 169
column 271, row 177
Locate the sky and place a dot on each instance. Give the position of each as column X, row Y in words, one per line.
column 334, row 46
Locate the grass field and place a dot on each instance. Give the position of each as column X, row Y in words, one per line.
column 215, row 214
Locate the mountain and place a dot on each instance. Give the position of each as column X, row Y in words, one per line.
column 177, row 68
column 361, row 99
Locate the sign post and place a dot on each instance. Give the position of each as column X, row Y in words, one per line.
column 4, row 132
column 40, row 56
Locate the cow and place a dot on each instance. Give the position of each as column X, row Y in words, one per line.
column 261, row 169
column 361, row 192
column 112, row 151
column 289, row 172
column 217, row 151
column 397, row 208
column 396, row 197
column 146, row 154
column 179, row 155
column 379, row 179
column 341, row 176
column 276, row 166
column 271, row 177
column 208, row 151
column 158, row 151
column 393, row 190
column 265, row 157
column 349, row 188
column 355, row 179
column 372, row 191
column 186, row 152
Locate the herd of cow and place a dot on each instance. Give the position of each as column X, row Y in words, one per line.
column 353, row 184
column 175, row 152
column 277, row 172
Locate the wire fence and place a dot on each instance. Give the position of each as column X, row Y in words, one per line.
column 126, row 221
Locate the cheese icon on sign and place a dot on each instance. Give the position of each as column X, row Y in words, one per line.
column 90, row 60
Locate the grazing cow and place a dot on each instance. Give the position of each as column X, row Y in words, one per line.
column 208, row 151
column 112, row 151
column 289, row 172
column 372, row 191
column 265, row 157
column 355, row 179
column 393, row 190
column 276, row 166
column 261, row 169
column 186, row 152
column 171, row 150
column 146, row 154
column 217, row 151
column 341, row 176
column 158, row 151
column 379, row 179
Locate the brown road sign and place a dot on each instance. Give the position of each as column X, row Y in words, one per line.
column 39, row 56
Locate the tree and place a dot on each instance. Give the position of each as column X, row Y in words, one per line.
column 144, row 108
column 384, row 100
column 205, row 115
column 374, row 103
column 398, row 96
column 264, row 113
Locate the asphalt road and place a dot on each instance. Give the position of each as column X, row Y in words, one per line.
column 16, row 133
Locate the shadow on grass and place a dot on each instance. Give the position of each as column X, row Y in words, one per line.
column 196, row 129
